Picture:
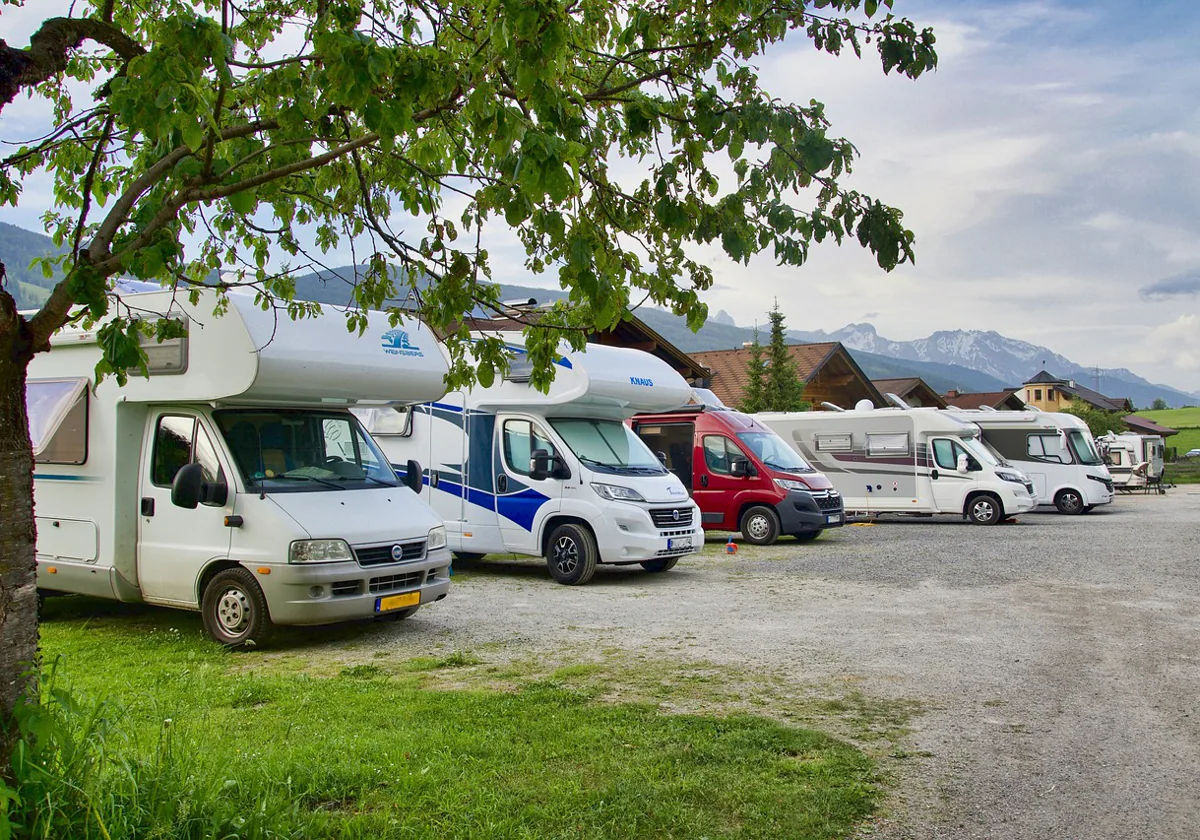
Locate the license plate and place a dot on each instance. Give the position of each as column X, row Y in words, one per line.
column 831, row 520
column 679, row 542
column 395, row 602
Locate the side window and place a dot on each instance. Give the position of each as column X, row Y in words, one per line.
column 177, row 442
column 1037, row 394
column 206, row 457
column 716, row 454
column 521, row 438
column 943, row 454
column 1047, row 448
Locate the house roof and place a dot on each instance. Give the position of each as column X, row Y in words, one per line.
column 991, row 399
column 909, row 386
column 1146, row 426
column 1076, row 391
column 1043, row 377
column 730, row 369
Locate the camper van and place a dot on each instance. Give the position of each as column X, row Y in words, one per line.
column 743, row 476
column 1134, row 460
column 1054, row 449
column 234, row 480
column 906, row 460
column 556, row 475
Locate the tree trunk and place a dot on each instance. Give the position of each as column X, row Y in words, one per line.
column 18, row 567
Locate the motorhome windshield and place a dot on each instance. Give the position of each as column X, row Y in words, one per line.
column 607, row 446
column 289, row 451
column 1000, row 459
column 773, row 451
column 977, row 447
column 1084, row 449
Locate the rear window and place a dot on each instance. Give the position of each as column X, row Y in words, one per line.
column 58, row 420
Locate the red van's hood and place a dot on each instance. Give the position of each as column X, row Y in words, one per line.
column 814, row 480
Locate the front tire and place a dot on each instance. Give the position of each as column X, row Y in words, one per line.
column 1069, row 502
column 468, row 556
column 760, row 525
column 571, row 554
column 664, row 564
column 234, row 609
column 985, row 509
column 807, row 536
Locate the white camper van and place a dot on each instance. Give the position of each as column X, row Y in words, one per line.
column 556, row 475
column 1134, row 460
column 915, row 460
column 234, row 480
column 1054, row 449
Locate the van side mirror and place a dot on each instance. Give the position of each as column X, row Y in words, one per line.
column 414, row 476
column 662, row 457
column 962, row 462
column 741, row 468
column 214, row 493
column 539, row 464
column 185, row 489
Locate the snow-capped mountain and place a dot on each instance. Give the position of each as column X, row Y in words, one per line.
column 1008, row 359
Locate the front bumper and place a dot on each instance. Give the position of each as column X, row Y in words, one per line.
column 804, row 511
column 324, row 593
column 628, row 533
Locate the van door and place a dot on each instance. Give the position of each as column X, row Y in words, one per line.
column 717, row 490
column 949, row 486
column 445, row 459
column 175, row 543
column 522, row 502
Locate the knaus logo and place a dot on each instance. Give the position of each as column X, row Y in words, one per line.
column 641, row 380
column 396, row 343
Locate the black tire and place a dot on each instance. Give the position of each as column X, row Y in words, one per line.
column 663, row 564
column 467, row 556
column 1089, row 508
column 397, row 615
column 760, row 525
column 985, row 509
column 571, row 554
column 1069, row 502
column 807, row 536
column 234, row 609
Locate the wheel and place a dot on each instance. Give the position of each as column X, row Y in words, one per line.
column 1069, row 502
column 467, row 556
column 1089, row 508
column 234, row 609
column 397, row 615
column 571, row 554
column 760, row 525
column 985, row 510
column 807, row 536
column 664, row 564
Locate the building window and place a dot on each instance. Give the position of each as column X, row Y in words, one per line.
column 1037, row 394
column 1050, row 394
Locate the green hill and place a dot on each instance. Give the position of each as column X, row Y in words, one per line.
column 19, row 248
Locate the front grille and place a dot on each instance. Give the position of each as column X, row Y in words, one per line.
column 673, row 552
column 345, row 587
column 672, row 517
column 388, row 583
column 687, row 532
column 378, row 555
column 829, row 501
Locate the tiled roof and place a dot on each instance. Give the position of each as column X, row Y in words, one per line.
column 1044, row 378
column 991, row 399
column 1094, row 397
column 1146, row 426
column 730, row 368
column 897, row 386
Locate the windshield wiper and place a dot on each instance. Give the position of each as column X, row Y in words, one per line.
column 782, row 468
column 365, row 477
column 324, row 481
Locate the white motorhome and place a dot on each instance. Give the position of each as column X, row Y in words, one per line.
column 1054, row 449
column 1133, row 460
column 906, row 460
column 558, row 475
column 234, row 480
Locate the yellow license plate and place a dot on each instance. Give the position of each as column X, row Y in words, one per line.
column 395, row 602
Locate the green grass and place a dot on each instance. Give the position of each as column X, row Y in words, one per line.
column 287, row 741
column 1175, row 417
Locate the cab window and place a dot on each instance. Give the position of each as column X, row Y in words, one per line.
column 179, row 441
column 720, row 453
column 946, row 452
column 521, row 438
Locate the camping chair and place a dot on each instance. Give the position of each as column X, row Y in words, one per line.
column 1137, row 476
column 1154, row 484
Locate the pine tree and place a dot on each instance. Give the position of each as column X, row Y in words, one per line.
column 756, row 371
column 783, row 390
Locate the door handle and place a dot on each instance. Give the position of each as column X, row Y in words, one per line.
column 703, row 481
column 147, row 506
column 933, row 474
column 501, row 483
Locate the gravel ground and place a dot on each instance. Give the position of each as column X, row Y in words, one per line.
column 1056, row 660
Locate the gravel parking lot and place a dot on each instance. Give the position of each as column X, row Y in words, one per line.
column 1056, row 660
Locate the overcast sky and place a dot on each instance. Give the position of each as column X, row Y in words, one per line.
column 1050, row 169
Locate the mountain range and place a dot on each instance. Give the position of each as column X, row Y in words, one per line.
column 967, row 360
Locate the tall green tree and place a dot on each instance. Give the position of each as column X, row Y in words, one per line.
column 1159, row 404
column 1100, row 422
column 753, row 399
column 188, row 136
column 783, row 390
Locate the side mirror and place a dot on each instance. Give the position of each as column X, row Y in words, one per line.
column 213, row 493
column 662, row 457
column 741, row 468
column 539, row 464
column 185, row 489
column 414, row 476
column 963, row 463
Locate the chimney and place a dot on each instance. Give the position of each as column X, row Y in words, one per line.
column 953, row 393
column 1071, row 382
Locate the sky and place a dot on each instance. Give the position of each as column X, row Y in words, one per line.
column 1049, row 168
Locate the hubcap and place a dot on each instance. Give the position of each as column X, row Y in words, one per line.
column 758, row 527
column 566, row 555
column 1071, row 502
column 984, row 510
column 233, row 611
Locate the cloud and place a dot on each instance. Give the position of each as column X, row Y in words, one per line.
column 1177, row 343
column 1186, row 283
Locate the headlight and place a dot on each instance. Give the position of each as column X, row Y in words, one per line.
column 437, row 538
column 319, row 551
column 791, row 484
column 617, row 493
column 1015, row 478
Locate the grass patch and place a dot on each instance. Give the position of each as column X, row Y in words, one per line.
column 378, row 751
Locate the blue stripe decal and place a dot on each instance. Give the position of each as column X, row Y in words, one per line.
column 55, row 477
column 447, row 407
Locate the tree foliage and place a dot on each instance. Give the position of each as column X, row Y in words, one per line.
column 782, row 390
column 1100, row 422
column 250, row 138
column 1159, row 404
column 756, row 374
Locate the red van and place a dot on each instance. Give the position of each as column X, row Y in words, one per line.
column 743, row 476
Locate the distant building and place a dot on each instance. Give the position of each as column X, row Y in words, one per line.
column 828, row 371
column 1146, row 426
column 1009, row 400
column 1049, row 393
column 913, row 390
